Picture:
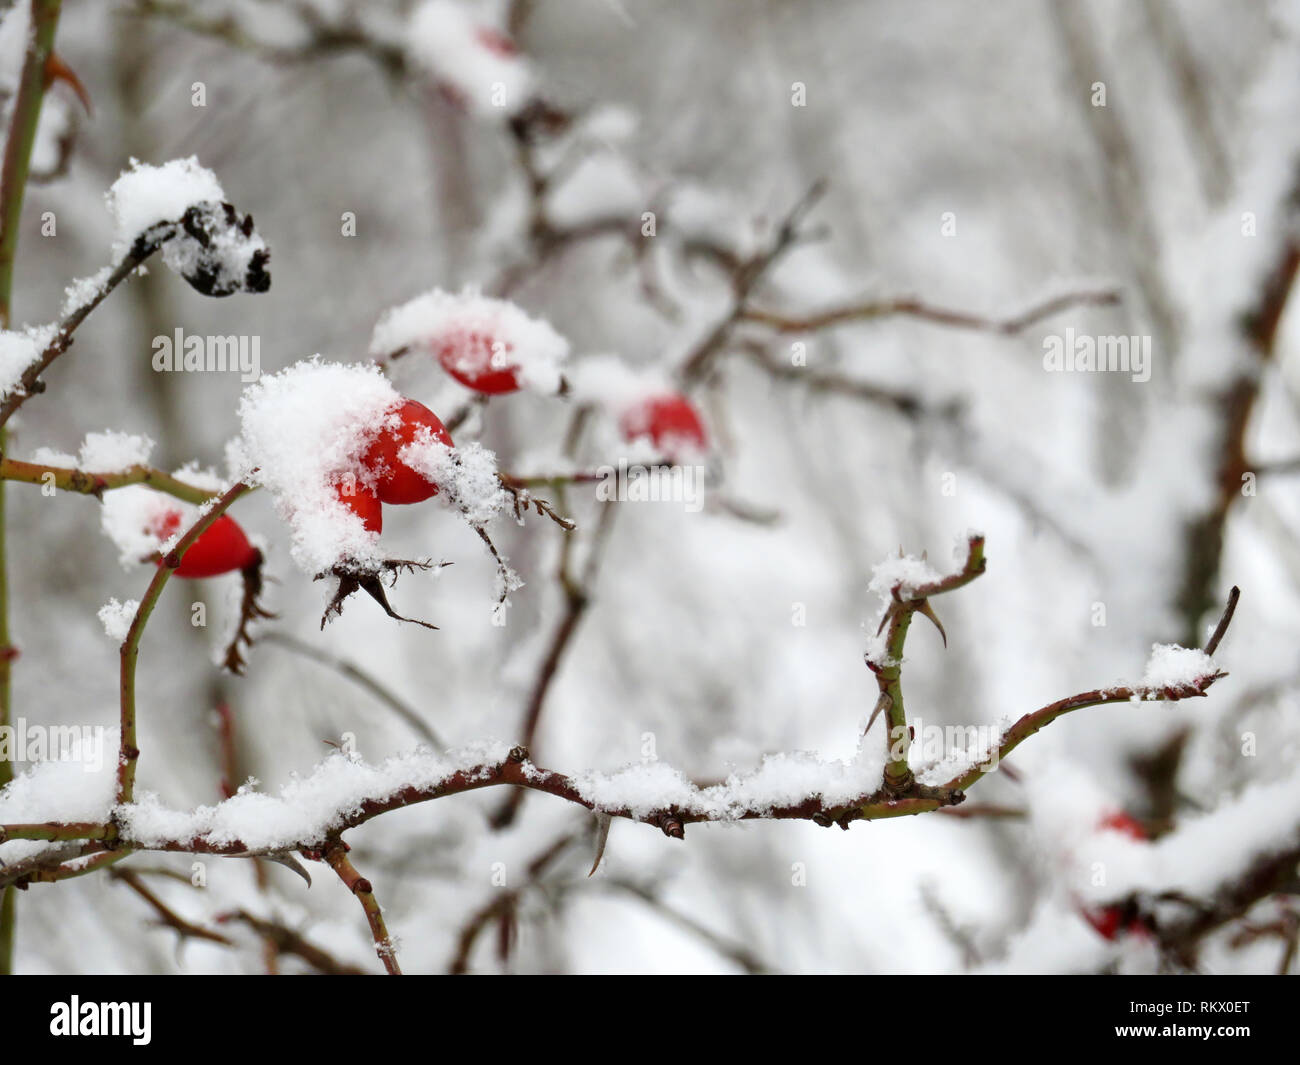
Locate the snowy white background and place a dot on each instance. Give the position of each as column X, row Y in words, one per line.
column 1082, row 483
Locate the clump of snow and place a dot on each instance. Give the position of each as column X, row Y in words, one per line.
column 302, row 434
column 438, row 321
column 965, row 748
column 113, row 452
column 877, row 652
column 117, row 617
column 696, row 213
column 48, row 456
column 307, row 807
column 83, row 290
column 135, row 517
column 781, row 780
column 65, row 789
column 1171, row 666
column 475, row 63
column 18, row 350
column 202, row 477
column 601, row 187
column 146, row 195
column 216, row 251
column 608, row 124
column 609, row 382
column 466, row 476
column 904, row 572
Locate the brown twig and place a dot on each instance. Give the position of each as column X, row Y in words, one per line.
column 282, row 940
column 167, row 917
column 909, row 307
column 335, row 853
column 745, row 277
column 503, row 907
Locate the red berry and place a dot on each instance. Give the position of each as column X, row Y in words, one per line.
column 221, row 548
column 1109, row 921
column 479, row 362
column 363, row 503
column 1106, row 922
column 495, row 41
column 395, row 481
column 1121, row 821
column 668, row 420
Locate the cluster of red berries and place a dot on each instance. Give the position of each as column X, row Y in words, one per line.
column 223, row 547
column 478, row 362
column 485, row 365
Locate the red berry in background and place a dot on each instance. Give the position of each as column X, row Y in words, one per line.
column 364, row 504
column 495, row 41
column 221, row 548
column 396, row 482
column 668, row 420
column 479, row 362
column 1105, row 922
column 1111, row 920
column 1126, row 823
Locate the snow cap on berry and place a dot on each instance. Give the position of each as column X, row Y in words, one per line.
column 471, row 60
column 473, row 335
column 303, row 431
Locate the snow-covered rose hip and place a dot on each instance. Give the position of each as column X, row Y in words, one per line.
column 488, row 345
column 480, row 362
column 222, row 547
column 395, row 482
column 669, row 420
column 364, row 503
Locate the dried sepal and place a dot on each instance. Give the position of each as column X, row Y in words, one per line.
column 250, row 612
column 370, row 580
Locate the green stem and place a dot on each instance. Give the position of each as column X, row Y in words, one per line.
column 889, row 676
column 13, row 184
column 130, row 652
column 95, row 484
column 56, row 831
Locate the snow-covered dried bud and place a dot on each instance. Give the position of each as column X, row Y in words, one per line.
column 218, row 251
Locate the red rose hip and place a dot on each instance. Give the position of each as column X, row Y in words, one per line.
column 395, row 481
column 363, row 503
column 668, row 420
column 479, row 362
column 221, row 548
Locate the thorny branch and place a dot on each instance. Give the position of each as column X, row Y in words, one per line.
column 130, row 650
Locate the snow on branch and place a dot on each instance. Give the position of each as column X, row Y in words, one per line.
column 310, row 814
